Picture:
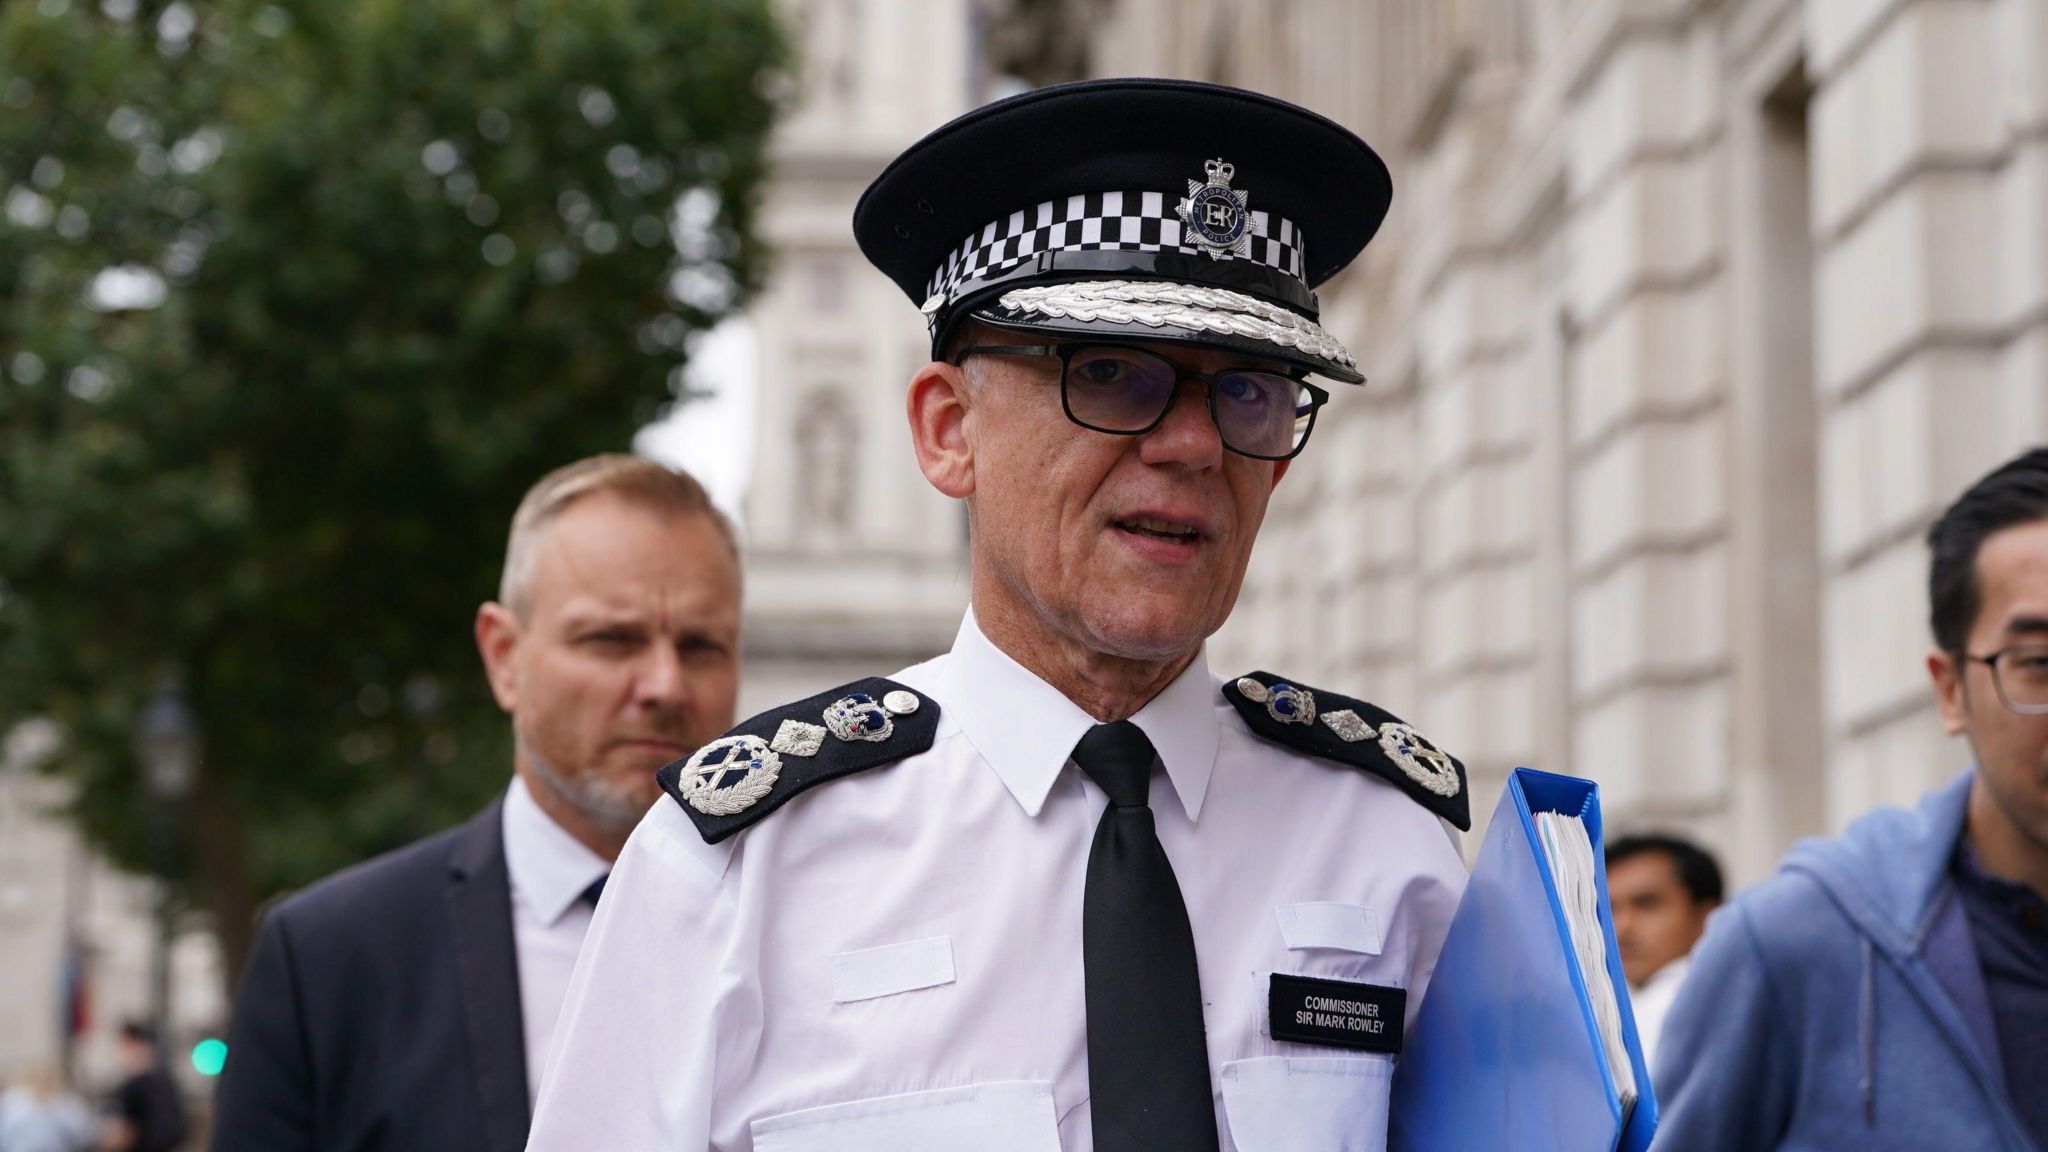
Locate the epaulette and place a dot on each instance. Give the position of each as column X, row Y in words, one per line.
column 764, row 762
column 1356, row 733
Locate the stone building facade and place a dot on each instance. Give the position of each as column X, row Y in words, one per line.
column 854, row 564
column 54, row 889
column 1688, row 319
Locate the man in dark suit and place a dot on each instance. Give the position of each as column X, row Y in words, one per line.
column 409, row 1002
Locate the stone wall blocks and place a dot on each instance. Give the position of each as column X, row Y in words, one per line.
column 2023, row 390
column 1473, row 311
column 1917, row 268
column 1874, row 637
column 1894, row 763
column 1450, row 421
column 1452, row 623
column 1478, row 616
column 1658, row 615
column 1480, row 513
column 1657, row 747
column 2021, row 36
column 1838, row 30
column 1658, row 224
column 1897, row 454
column 1660, row 353
column 1921, row 94
column 1644, row 100
column 1653, row 483
column 2021, row 193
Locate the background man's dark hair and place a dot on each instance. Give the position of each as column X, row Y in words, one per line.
column 2016, row 493
column 1696, row 869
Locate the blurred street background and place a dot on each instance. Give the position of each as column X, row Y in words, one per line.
column 1689, row 316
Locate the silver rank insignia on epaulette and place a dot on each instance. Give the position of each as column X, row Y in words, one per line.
column 767, row 760
column 796, row 738
column 703, row 783
column 1284, row 702
column 1353, row 732
column 857, row 716
column 1424, row 762
column 1349, row 726
column 1214, row 216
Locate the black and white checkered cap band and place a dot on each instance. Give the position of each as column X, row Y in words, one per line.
column 1126, row 221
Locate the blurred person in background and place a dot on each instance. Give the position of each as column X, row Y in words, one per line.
column 145, row 1114
column 42, row 1114
column 410, row 1002
column 1888, row 988
column 1661, row 889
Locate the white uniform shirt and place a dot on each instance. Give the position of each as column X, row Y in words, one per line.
column 548, row 869
column 1652, row 1003
column 892, row 960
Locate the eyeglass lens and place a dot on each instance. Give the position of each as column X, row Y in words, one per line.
column 2022, row 673
column 1127, row 390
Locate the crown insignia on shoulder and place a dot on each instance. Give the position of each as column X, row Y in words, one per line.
column 1322, row 723
column 762, row 763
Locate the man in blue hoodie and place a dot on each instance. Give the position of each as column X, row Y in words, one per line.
column 1888, row 989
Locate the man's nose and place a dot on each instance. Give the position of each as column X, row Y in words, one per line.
column 660, row 680
column 1188, row 434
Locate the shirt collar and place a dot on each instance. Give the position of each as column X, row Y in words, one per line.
column 548, row 867
column 1026, row 729
column 1670, row 975
column 2012, row 897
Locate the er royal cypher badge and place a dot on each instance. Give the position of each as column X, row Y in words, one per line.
column 1214, row 214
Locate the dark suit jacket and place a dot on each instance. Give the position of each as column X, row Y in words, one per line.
column 380, row 1010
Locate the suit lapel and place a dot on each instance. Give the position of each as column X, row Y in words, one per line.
column 487, row 965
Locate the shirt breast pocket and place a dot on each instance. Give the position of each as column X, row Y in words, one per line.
column 1005, row 1116
column 1307, row 1103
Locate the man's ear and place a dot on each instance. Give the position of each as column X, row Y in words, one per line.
column 1947, row 674
column 938, row 405
column 497, row 638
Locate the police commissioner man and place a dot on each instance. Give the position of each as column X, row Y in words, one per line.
column 1063, row 887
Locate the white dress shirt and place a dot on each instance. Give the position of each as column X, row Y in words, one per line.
column 892, row 960
column 549, row 869
column 1652, row 1003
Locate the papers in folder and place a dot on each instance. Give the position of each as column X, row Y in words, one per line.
column 1575, row 874
column 1522, row 1040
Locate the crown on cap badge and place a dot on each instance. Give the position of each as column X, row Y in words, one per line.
column 1215, row 215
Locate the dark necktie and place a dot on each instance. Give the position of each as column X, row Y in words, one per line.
column 1148, row 1061
column 594, row 891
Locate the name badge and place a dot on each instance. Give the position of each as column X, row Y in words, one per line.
column 1336, row 1013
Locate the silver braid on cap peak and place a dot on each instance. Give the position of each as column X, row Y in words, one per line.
column 1157, row 304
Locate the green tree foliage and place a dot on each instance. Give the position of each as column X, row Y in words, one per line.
column 296, row 299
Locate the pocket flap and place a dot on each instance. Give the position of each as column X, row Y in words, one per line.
column 1004, row 1116
column 1321, row 924
column 892, row 968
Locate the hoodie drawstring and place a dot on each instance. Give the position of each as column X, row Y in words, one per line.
column 1866, row 1033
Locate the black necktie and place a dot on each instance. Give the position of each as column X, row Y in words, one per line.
column 591, row 894
column 1148, row 1061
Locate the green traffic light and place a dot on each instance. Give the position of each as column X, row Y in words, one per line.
column 209, row 1056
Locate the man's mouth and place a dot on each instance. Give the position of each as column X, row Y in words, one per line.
column 1159, row 528
column 662, row 743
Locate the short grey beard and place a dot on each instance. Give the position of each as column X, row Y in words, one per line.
column 614, row 815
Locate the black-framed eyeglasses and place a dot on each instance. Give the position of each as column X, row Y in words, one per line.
column 1127, row 391
column 2020, row 674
